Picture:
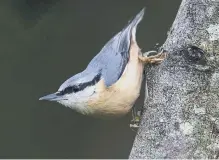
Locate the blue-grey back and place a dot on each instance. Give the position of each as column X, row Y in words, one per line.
column 111, row 61
column 114, row 56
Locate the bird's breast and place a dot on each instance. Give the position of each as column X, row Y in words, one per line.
column 118, row 99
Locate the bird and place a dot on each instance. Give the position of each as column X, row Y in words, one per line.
column 110, row 84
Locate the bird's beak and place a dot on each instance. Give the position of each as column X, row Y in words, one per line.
column 52, row 97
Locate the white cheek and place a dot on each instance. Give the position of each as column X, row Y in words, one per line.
column 78, row 101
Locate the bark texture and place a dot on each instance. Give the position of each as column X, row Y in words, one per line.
column 181, row 112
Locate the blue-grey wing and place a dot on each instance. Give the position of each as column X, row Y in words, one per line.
column 110, row 62
column 114, row 56
column 111, row 65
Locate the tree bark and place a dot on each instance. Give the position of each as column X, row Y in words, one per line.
column 181, row 112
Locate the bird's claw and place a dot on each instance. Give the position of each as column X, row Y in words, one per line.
column 134, row 126
column 136, row 120
column 154, row 59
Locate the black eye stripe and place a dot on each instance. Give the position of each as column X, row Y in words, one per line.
column 79, row 87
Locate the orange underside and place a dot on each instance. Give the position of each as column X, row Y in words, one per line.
column 118, row 99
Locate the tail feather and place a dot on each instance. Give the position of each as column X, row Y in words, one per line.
column 129, row 32
column 134, row 23
column 121, row 41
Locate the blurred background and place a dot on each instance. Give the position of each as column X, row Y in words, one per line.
column 44, row 42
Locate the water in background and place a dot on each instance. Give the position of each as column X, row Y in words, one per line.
column 44, row 42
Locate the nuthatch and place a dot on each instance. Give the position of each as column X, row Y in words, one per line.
column 111, row 83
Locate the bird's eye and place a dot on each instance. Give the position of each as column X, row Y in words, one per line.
column 80, row 87
column 75, row 88
column 69, row 90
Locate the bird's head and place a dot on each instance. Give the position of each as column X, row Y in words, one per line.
column 76, row 91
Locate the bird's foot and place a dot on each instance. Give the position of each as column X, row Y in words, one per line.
column 135, row 119
column 154, row 59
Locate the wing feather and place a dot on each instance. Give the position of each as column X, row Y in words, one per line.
column 114, row 56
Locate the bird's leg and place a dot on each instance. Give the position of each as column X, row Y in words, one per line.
column 155, row 59
column 135, row 118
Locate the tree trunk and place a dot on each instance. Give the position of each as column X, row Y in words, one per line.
column 181, row 113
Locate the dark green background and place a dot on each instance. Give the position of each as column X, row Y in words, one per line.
column 44, row 42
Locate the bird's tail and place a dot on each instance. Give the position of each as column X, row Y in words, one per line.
column 132, row 25
column 122, row 40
